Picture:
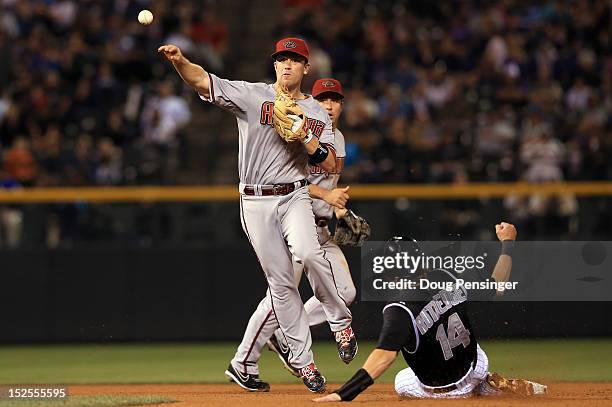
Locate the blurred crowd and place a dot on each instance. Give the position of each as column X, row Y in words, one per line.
column 436, row 91
column 84, row 97
column 467, row 90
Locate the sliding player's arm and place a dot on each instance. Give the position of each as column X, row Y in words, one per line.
column 506, row 233
column 397, row 332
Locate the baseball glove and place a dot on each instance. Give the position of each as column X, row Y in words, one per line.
column 351, row 229
column 288, row 118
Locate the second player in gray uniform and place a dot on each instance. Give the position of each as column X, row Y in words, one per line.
column 328, row 198
column 275, row 208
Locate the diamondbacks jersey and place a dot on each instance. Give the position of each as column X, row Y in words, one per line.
column 435, row 336
column 263, row 157
column 327, row 180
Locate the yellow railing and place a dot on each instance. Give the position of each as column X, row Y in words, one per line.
column 367, row 192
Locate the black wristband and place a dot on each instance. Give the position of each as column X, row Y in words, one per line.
column 356, row 384
column 507, row 247
column 319, row 155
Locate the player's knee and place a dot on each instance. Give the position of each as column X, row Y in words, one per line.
column 281, row 288
column 404, row 382
column 348, row 294
column 310, row 257
column 400, row 388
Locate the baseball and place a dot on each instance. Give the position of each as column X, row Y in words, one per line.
column 145, row 17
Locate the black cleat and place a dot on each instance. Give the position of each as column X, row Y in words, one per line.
column 282, row 351
column 248, row 382
column 347, row 344
column 314, row 381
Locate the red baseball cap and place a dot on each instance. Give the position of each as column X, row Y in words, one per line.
column 293, row 45
column 327, row 85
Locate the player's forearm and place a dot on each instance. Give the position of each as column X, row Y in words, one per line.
column 378, row 362
column 312, row 145
column 329, row 165
column 317, row 192
column 501, row 272
column 314, row 149
column 193, row 75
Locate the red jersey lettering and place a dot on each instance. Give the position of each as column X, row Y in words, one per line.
column 267, row 109
column 316, row 126
column 315, row 169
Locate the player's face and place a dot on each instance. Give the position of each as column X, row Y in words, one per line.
column 290, row 69
column 333, row 107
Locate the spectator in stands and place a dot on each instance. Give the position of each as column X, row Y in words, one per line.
column 109, row 170
column 209, row 34
column 80, row 165
column 19, row 169
column 19, row 164
column 163, row 118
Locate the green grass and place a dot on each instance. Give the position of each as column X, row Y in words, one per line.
column 89, row 401
column 576, row 360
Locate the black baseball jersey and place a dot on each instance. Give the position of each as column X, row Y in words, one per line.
column 434, row 336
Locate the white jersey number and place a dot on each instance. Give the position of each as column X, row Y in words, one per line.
column 455, row 334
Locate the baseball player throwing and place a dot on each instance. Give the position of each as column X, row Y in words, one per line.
column 323, row 187
column 438, row 344
column 275, row 208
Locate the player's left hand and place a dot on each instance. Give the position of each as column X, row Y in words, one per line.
column 505, row 231
column 337, row 197
column 331, row 397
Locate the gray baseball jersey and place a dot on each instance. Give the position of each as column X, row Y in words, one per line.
column 327, row 180
column 263, row 157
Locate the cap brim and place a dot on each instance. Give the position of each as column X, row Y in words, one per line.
column 332, row 92
column 273, row 56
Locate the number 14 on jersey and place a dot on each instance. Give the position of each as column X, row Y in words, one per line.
column 451, row 338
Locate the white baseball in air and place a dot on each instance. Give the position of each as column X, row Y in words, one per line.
column 145, row 17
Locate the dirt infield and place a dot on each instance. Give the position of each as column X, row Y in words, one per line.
column 295, row 395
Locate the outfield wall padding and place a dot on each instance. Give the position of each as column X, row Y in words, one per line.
column 203, row 294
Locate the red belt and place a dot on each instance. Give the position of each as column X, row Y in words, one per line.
column 277, row 189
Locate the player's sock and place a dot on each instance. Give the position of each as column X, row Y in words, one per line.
column 485, row 389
